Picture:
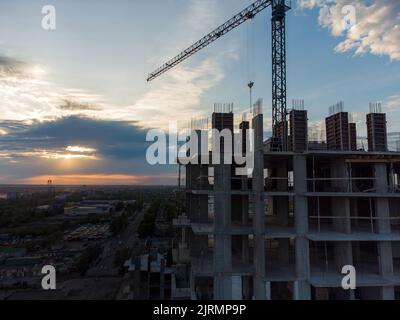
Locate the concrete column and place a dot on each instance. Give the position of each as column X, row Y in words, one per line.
column 268, row 290
column 259, row 208
column 383, row 213
column 246, row 280
column 237, row 288
column 342, row 250
column 222, row 238
column 237, row 241
column 387, row 293
column 245, row 222
column 340, row 205
column 301, row 286
column 282, row 210
column 382, row 204
column 197, row 209
column 246, row 283
column 162, row 279
column 355, row 212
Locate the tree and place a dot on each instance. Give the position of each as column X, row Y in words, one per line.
column 119, row 224
column 119, row 206
column 147, row 226
column 88, row 256
column 120, row 257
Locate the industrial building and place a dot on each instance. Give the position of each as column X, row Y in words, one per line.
column 286, row 231
column 90, row 207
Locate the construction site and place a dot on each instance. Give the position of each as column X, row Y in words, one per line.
column 309, row 207
column 287, row 231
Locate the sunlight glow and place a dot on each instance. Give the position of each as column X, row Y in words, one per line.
column 80, row 149
column 99, row 179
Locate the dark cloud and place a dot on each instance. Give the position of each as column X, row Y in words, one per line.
column 12, row 66
column 111, row 139
column 121, row 148
column 71, row 105
column 11, row 126
column 9, row 62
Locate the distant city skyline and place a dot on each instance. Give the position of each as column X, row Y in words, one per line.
column 75, row 105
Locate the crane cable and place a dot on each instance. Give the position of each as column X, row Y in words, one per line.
column 250, row 58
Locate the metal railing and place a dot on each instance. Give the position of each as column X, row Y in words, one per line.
column 372, row 220
column 341, row 184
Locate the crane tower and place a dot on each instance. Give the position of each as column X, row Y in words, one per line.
column 279, row 8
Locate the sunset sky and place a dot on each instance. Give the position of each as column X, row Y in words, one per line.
column 75, row 105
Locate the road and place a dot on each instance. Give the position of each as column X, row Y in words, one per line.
column 127, row 239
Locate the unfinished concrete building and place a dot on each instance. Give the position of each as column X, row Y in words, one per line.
column 286, row 231
column 376, row 129
column 352, row 136
column 337, row 131
column 298, row 131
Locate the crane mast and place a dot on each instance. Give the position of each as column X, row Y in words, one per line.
column 279, row 8
column 278, row 38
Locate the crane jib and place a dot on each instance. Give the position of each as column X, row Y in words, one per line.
column 249, row 13
column 278, row 37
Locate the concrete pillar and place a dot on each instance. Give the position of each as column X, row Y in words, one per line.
column 197, row 208
column 268, row 295
column 259, row 214
column 354, row 210
column 237, row 288
column 301, row 286
column 246, row 283
column 387, row 293
column 282, row 211
column 246, row 280
column 237, row 241
column 340, row 205
column 162, row 279
column 383, row 212
column 245, row 222
column 222, row 238
column 342, row 250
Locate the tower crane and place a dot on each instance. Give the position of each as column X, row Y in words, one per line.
column 279, row 9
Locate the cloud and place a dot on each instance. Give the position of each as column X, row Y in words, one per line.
column 11, row 67
column 74, row 105
column 204, row 11
column 177, row 94
column 87, row 150
column 109, row 138
column 28, row 97
column 26, row 94
column 393, row 103
column 376, row 29
column 10, row 126
column 42, row 123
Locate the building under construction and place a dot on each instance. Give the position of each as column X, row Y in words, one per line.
column 307, row 209
column 286, row 231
